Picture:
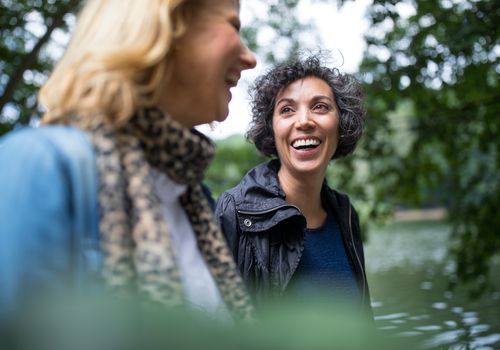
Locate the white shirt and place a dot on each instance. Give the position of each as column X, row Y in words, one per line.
column 200, row 289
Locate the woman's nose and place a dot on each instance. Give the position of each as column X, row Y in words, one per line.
column 304, row 120
column 248, row 58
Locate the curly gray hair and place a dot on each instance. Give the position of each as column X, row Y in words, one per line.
column 346, row 90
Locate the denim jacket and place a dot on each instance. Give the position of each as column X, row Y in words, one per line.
column 49, row 237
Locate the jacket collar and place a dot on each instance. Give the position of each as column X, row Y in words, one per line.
column 259, row 190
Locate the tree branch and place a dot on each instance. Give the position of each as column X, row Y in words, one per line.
column 30, row 57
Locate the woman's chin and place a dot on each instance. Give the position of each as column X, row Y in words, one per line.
column 307, row 168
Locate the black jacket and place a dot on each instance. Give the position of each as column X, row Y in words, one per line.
column 266, row 234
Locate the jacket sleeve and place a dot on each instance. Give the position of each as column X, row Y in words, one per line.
column 35, row 219
column 225, row 214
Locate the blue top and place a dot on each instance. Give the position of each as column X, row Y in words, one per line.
column 49, row 238
column 324, row 269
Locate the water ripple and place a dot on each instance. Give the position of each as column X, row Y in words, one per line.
column 469, row 321
column 386, row 328
column 450, row 323
column 391, row 316
column 426, row 285
column 444, row 338
column 430, row 327
column 419, row 317
column 486, row 340
column 480, row 328
column 440, row 306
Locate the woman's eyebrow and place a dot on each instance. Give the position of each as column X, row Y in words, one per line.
column 321, row 97
column 314, row 98
column 285, row 99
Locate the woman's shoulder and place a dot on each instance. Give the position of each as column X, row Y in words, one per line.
column 48, row 181
column 48, row 205
column 44, row 150
column 50, row 139
column 261, row 178
column 47, row 165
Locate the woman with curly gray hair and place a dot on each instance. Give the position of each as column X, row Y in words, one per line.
column 290, row 233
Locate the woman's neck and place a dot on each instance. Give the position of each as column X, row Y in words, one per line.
column 304, row 193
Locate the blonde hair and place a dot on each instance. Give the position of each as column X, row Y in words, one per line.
column 116, row 60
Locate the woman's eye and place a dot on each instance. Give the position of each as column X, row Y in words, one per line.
column 236, row 25
column 285, row 110
column 321, row 107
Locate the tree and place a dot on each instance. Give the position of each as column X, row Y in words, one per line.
column 26, row 29
column 281, row 22
column 431, row 73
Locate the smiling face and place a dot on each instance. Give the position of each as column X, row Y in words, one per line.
column 306, row 127
column 207, row 62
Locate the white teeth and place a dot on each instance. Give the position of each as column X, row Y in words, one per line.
column 305, row 142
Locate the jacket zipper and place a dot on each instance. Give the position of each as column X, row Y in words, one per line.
column 245, row 212
column 261, row 212
column 357, row 257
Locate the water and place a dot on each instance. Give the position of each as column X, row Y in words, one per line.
column 407, row 267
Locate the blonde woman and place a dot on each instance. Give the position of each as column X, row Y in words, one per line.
column 109, row 188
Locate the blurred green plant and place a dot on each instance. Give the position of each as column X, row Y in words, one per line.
column 103, row 322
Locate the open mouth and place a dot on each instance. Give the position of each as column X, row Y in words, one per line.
column 232, row 79
column 309, row 143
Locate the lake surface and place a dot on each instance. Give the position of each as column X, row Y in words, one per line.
column 407, row 267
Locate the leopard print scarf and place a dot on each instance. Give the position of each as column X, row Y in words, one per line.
column 135, row 237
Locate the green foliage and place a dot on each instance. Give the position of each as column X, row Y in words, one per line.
column 235, row 156
column 433, row 76
column 282, row 26
column 25, row 30
column 103, row 322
